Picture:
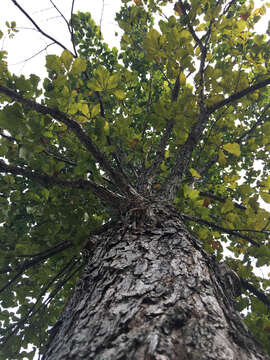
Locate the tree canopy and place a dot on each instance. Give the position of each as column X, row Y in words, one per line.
column 179, row 113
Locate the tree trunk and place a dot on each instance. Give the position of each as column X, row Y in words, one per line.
column 149, row 291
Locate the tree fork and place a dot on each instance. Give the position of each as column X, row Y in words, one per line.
column 149, row 291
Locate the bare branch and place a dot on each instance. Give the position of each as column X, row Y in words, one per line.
column 33, row 56
column 37, row 26
column 61, row 14
column 221, row 228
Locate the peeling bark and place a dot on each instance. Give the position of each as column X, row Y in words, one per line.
column 149, row 291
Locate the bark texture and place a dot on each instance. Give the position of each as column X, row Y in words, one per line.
column 150, row 292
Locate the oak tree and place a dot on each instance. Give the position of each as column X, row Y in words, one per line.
column 132, row 223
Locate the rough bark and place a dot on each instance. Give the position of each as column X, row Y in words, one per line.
column 149, row 291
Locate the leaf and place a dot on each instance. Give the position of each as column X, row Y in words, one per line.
column 113, row 81
column 120, row 94
column 78, row 66
column 93, row 84
column 192, row 194
column 11, row 118
column 221, row 157
column 95, row 110
column 102, row 75
column 66, row 58
column 53, row 62
column 265, row 196
column 194, row 173
column 233, row 148
column 182, row 78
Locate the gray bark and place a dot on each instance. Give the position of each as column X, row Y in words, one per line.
column 149, row 291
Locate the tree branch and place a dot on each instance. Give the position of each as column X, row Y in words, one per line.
column 98, row 190
column 13, row 328
column 221, row 228
column 190, row 28
column 253, row 128
column 238, row 95
column 259, row 294
column 38, row 259
column 220, row 199
column 179, row 169
column 37, row 27
column 76, row 128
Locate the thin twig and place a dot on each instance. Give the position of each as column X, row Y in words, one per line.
column 38, row 27
column 72, row 29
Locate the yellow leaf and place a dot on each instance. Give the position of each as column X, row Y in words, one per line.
column 233, row 148
column 194, row 173
column 78, row 66
column 265, row 196
column 120, row 94
column 113, row 81
column 94, row 85
column 95, row 110
column 84, row 109
column 182, row 78
column 221, row 157
column 66, row 58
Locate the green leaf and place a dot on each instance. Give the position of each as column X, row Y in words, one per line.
column 120, row 94
column 11, row 118
column 113, row 81
column 95, row 110
column 190, row 193
column 67, row 58
column 265, row 196
column 78, row 66
column 233, row 148
column 53, row 62
column 93, row 84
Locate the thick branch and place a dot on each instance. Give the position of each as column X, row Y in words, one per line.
column 238, row 95
column 100, row 191
column 74, row 127
column 259, row 294
column 220, row 199
column 221, row 228
column 35, row 261
column 183, row 157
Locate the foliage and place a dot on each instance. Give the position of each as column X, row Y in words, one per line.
column 181, row 112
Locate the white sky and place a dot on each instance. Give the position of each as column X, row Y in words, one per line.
column 29, row 42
